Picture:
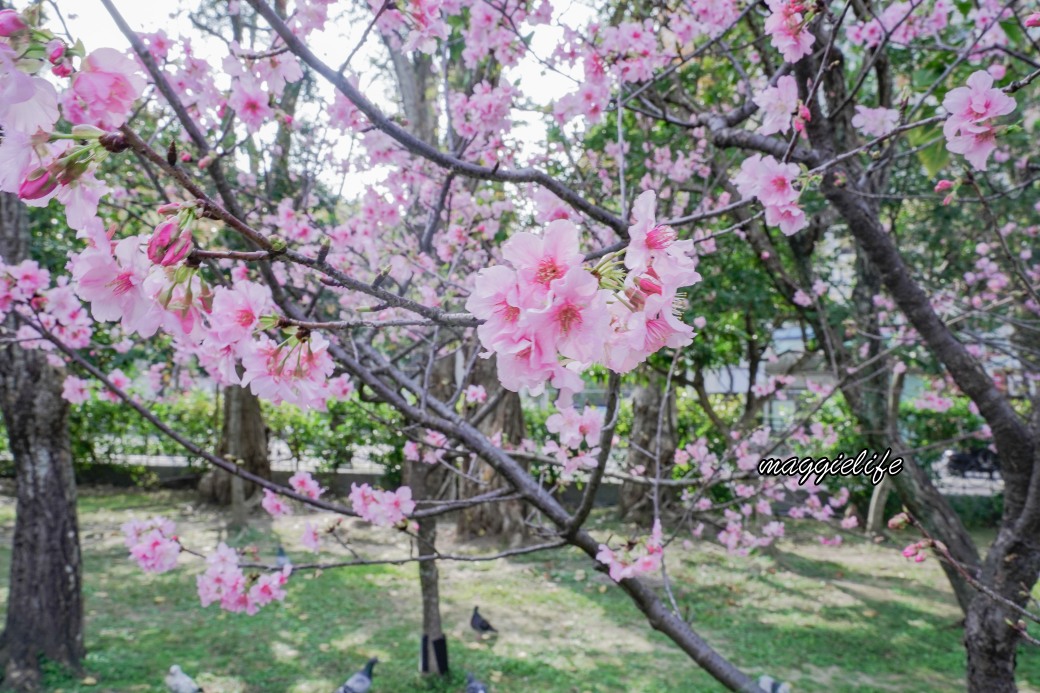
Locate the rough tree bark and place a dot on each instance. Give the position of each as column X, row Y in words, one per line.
column 1012, row 563
column 502, row 520
column 427, row 483
column 635, row 501
column 44, row 603
column 244, row 439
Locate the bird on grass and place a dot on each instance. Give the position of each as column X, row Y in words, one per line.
column 179, row 682
column 768, row 683
column 361, row 681
column 475, row 685
column 281, row 558
column 479, row 623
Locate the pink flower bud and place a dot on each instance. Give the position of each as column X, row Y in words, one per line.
column 649, row 286
column 38, row 184
column 55, row 51
column 947, row 200
column 943, row 185
column 169, row 244
column 804, row 113
column 169, row 208
column 205, row 162
column 1033, row 20
column 62, row 70
column 11, row 23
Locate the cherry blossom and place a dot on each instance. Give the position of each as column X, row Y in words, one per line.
column 104, row 89
column 777, row 105
column 969, row 129
column 153, row 544
column 773, row 184
column 275, row 504
column 303, row 483
column 875, row 121
column 381, row 508
column 787, row 29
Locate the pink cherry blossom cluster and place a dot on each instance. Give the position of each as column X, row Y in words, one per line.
column 495, row 29
column 547, row 317
column 970, row 130
column 918, row 551
column 420, row 21
column 901, row 22
column 475, row 394
column 628, row 52
column 382, row 508
column 431, row 451
column 484, row 112
column 26, row 289
column 787, row 29
column 574, row 428
column 153, row 544
column 772, row 183
column 625, row 563
column 224, row 583
column 708, row 18
column 99, row 92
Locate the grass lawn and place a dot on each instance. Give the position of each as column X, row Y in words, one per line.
column 854, row 618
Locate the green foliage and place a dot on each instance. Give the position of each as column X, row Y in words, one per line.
column 104, row 432
column 335, row 436
column 930, row 432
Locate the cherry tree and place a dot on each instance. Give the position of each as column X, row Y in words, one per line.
column 287, row 228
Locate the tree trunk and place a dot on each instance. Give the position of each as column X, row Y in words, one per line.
column 427, row 483
column 503, row 520
column 434, row 647
column 44, row 603
column 635, row 501
column 244, row 439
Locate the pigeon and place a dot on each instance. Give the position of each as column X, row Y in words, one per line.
column 474, row 685
column 179, row 682
column 480, row 624
column 361, row 681
column 768, row 683
column 281, row 558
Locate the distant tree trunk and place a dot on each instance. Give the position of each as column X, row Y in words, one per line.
column 504, row 520
column 44, row 602
column 636, row 500
column 434, row 650
column 243, row 438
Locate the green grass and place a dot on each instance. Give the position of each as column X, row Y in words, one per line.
column 855, row 618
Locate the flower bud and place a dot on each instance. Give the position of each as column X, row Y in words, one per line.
column 169, row 243
column 169, row 208
column 11, row 23
column 62, row 70
column 84, row 131
column 55, row 51
column 943, row 185
column 38, row 184
column 1033, row 20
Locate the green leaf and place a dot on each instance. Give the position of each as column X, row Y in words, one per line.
column 934, row 158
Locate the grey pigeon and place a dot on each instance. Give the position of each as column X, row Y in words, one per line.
column 281, row 558
column 179, row 682
column 474, row 685
column 768, row 683
column 361, row 681
column 479, row 623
